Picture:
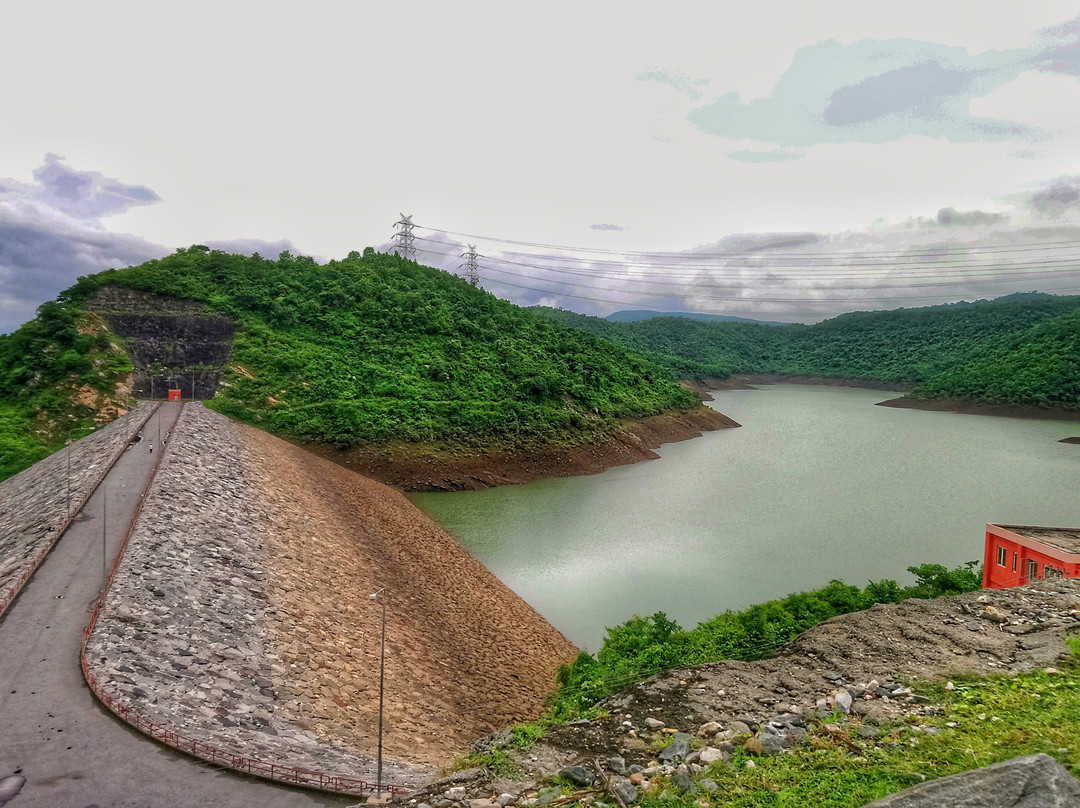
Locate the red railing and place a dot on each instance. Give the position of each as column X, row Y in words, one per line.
column 200, row 749
column 9, row 598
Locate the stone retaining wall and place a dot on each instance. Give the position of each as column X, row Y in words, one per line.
column 34, row 511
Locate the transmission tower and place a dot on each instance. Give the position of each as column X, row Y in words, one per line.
column 472, row 268
column 404, row 238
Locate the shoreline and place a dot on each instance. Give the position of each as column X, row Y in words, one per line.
column 973, row 408
column 412, row 468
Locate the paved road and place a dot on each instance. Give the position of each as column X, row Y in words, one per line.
column 71, row 751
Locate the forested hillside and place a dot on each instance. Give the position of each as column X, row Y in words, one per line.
column 369, row 349
column 1020, row 349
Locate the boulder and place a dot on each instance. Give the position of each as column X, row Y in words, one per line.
column 1032, row 781
column 578, row 775
column 678, row 749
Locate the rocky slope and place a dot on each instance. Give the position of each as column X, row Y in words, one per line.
column 240, row 615
column 850, row 668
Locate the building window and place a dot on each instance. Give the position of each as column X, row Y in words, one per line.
column 1052, row 572
column 1001, row 556
column 1015, row 557
column 1033, row 570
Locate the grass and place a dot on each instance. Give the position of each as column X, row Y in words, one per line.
column 995, row 718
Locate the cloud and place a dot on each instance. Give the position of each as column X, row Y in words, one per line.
column 1055, row 197
column 1061, row 48
column 251, row 246
column 606, row 227
column 85, row 195
column 875, row 91
column 43, row 251
column 773, row 156
column 690, row 87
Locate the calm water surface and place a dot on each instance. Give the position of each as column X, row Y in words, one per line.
column 817, row 484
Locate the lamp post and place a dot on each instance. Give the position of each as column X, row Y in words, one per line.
column 382, row 669
column 72, row 431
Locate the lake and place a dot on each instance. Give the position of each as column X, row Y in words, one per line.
column 817, row 484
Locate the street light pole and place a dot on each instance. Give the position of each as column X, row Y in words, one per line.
column 382, row 671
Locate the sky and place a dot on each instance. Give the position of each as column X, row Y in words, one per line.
column 788, row 161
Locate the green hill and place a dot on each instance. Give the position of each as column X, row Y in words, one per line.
column 367, row 350
column 1016, row 349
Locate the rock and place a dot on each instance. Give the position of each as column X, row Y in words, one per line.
column 843, row 701
column 455, row 793
column 627, row 792
column 617, row 764
column 708, row 785
column 974, row 625
column 1032, row 781
column 678, row 749
column 653, row 723
column 503, row 799
column 832, row 676
column 705, row 730
column 637, row 778
column 481, row 803
column 739, row 727
column 771, row 744
column 684, row 782
column 866, row 731
column 548, row 795
column 710, row 755
column 753, row 746
column 578, row 775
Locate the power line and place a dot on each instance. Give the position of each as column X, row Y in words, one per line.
column 997, row 274
column 472, row 268
column 761, row 251
column 741, row 299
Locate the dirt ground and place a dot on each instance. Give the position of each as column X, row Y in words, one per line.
column 970, row 408
column 412, row 468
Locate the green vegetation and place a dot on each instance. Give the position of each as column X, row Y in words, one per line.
column 42, row 366
column 995, row 718
column 643, row 646
column 372, row 349
column 1018, row 349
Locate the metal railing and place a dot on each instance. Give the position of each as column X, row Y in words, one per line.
column 9, row 598
column 205, row 751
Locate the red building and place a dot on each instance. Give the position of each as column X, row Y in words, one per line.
column 1018, row 554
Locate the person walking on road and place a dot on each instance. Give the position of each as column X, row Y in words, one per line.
column 151, row 447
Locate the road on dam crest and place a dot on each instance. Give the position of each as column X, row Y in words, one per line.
column 53, row 733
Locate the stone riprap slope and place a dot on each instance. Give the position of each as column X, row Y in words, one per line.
column 33, row 503
column 240, row 614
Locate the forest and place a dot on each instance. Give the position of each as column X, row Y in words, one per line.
column 369, row 349
column 1019, row 349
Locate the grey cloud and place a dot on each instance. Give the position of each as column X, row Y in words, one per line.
column 920, row 90
column 1061, row 51
column 1057, row 196
column 81, row 194
column 606, row 226
column 873, row 91
column 41, row 255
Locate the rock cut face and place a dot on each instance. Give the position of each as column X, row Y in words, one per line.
column 174, row 343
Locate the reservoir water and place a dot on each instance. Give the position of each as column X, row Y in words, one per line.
column 817, row 484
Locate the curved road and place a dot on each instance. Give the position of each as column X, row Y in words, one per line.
column 71, row 751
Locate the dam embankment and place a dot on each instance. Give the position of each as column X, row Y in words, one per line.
column 38, row 503
column 240, row 614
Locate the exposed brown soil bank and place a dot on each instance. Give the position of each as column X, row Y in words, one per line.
column 973, row 408
column 746, row 382
column 464, row 654
column 420, row 468
column 1070, row 440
